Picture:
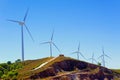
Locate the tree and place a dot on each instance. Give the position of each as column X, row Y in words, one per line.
column 18, row 61
column 99, row 63
column 1, row 68
column 1, row 73
column 4, row 65
column 9, row 62
column 8, row 71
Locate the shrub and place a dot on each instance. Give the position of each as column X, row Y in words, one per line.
column 1, row 73
column 9, row 62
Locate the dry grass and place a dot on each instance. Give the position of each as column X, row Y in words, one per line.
column 116, row 70
column 58, row 59
column 26, row 72
column 30, row 65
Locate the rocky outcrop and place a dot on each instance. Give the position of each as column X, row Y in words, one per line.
column 83, row 77
column 74, row 70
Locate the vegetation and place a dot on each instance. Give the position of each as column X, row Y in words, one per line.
column 99, row 64
column 18, row 69
column 9, row 70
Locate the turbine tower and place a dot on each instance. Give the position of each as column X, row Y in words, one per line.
column 23, row 24
column 103, row 57
column 78, row 52
column 51, row 43
column 93, row 59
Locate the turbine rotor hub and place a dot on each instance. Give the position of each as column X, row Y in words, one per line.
column 21, row 23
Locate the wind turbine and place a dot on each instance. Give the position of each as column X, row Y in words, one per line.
column 93, row 59
column 78, row 52
column 23, row 24
column 103, row 57
column 51, row 43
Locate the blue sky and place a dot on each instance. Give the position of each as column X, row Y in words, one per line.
column 95, row 23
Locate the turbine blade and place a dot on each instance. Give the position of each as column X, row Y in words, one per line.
column 45, row 43
column 73, row 52
column 29, row 32
column 56, row 47
column 13, row 21
column 100, row 56
column 107, row 56
column 52, row 35
column 82, row 55
column 26, row 15
column 95, row 60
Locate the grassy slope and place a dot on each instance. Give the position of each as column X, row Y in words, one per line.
column 30, row 65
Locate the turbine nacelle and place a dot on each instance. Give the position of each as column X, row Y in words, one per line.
column 21, row 23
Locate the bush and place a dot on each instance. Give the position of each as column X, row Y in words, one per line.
column 4, row 65
column 8, row 71
column 1, row 73
column 4, row 77
column 99, row 64
column 12, row 74
column 1, row 68
column 9, row 62
column 18, row 61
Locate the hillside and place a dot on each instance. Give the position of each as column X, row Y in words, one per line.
column 61, row 68
column 30, row 65
column 64, row 68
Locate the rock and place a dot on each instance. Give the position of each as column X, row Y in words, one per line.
column 67, row 69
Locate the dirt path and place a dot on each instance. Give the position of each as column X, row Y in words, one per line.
column 44, row 64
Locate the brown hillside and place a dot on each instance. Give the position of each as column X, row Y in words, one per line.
column 65, row 68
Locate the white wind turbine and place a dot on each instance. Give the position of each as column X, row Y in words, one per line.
column 93, row 59
column 78, row 52
column 23, row 24
column 103, row 57
column 51, row 43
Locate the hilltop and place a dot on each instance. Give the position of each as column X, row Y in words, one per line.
column 64, row 68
